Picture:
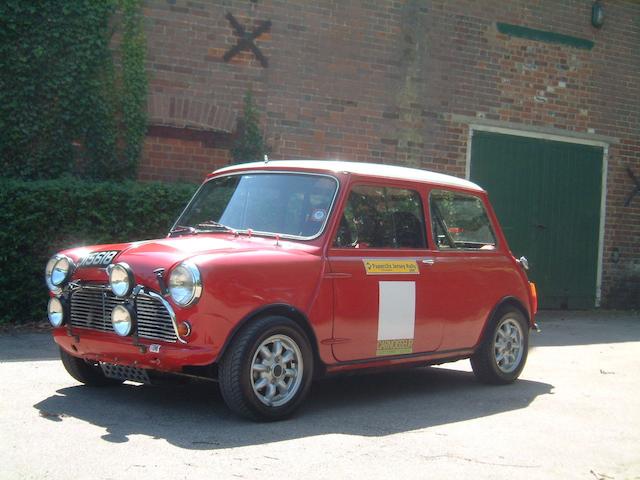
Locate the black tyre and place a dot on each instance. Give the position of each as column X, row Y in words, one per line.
column 503, row 353
column 267, row 370
column 88, row 373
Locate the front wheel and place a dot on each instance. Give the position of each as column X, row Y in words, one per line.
column 88, row 373
column 267, row 370
column 503, row 353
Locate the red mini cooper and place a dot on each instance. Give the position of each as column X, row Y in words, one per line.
column 282, row 271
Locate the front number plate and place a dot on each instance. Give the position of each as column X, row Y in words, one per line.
column 98, row 259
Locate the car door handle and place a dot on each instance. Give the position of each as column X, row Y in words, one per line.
column 428, row 261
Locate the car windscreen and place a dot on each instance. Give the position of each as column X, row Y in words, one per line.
column 289, row 204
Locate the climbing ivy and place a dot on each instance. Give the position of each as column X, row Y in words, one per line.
column 65, row 105
column 134, row 83
column 249, row 144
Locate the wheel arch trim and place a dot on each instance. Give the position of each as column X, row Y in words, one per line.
column 505, row 301
column 284, row 310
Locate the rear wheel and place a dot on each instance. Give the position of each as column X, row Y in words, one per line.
column 85, row 372
column 267, row 370
column 503, row 354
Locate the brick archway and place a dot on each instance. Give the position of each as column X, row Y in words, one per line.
column 187, row 138
column 193, row 113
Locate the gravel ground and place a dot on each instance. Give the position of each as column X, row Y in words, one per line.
column 575, row 413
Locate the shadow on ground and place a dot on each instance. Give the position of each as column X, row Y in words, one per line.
column 27, row 347
column 195, row 417
column 585, row 328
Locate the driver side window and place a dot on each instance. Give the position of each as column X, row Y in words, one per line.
column 381, row 217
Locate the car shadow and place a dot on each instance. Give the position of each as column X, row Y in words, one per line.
column 565, row 328
column 195, row 417
column 28, row 347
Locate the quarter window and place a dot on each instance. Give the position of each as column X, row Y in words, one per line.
column 460, row 221
column 382, row 217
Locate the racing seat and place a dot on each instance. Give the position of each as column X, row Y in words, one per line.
column 409, row 231
column 343, row 236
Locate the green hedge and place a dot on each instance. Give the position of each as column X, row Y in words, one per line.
column 39, row 218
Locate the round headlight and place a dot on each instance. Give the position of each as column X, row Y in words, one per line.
column 58, row 271
column 121, row 279
column 55, row 312
column 122, row 320
column 185, row 285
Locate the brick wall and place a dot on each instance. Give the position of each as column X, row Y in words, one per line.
column 181, row 154
column 396, row 82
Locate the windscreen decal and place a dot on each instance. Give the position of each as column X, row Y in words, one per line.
column 98, row 259
column 396, row 318
column 318, row 215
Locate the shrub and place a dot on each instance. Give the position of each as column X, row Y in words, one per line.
column 39, row 218
column 249, row 145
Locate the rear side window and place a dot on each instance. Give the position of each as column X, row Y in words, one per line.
column 382, row 217
column 460, row 222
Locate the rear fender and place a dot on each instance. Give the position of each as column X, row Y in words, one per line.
column 506, row 301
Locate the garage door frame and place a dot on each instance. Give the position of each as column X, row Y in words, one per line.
column 473, row 127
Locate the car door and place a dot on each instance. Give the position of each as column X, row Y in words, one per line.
column 377, row 260
column 470, row 271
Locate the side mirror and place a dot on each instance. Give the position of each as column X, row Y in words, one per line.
column 524, row 262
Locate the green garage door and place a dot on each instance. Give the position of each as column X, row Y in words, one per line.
column 547, row 196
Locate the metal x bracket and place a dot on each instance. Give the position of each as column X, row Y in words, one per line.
column 246, row 40
column 636, row 189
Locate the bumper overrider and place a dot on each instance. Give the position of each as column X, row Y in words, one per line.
column 123, row 323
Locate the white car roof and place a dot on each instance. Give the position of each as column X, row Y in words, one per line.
column 359, row 168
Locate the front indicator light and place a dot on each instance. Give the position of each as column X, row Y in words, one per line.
column 122, row 319
column 184, row 329
column 534, row 297
column 55, row 312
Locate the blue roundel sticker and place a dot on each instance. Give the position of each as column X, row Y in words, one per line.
column 318, row 215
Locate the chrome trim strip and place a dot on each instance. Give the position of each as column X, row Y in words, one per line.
column 172, row 314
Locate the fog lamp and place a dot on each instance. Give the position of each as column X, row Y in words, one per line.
column 121, row 279
column 55, row 312
column 58, row 271
column 122, row 319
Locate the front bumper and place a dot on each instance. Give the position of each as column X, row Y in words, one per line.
column 141, row 353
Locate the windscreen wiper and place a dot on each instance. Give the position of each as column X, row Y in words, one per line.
column 212, row 225
column 182, row 230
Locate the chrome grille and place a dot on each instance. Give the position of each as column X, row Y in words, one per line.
column 91, row 308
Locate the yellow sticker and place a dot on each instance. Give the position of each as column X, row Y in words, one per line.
column 395, row 347
column 382, row 267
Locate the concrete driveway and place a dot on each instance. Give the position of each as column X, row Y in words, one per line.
column 575, row 413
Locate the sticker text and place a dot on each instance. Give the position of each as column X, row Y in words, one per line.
column 382, row 267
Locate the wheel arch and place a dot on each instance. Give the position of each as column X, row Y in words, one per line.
column 283, row 310
column 508, row 301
